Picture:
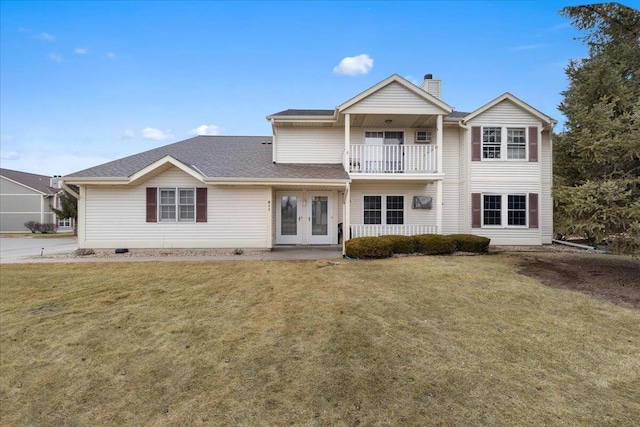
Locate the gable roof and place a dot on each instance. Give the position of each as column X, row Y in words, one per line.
column 213, row 157
column 394, row 78
column 520, row 103
column 39, row 183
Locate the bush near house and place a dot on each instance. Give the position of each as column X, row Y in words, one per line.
column 426, row 244
column 32, row 225
column 369, row 247
column 402, row 244
column 470, row 243
column 46, row 228
column 435, row 244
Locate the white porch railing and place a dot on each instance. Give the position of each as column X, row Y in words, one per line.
column 393, row 158
column 374, row 230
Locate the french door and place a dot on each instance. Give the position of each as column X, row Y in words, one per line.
column 304, row 218
column 289, row 218
column 320, row 218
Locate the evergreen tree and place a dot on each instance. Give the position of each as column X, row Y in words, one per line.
column 597, row 157
column 68, row 208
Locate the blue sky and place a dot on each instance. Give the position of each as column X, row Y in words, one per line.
column 83, row 83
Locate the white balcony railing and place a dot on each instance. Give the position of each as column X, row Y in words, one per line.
column 393, row 158
column 374, row 230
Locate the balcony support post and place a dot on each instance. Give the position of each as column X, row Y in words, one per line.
column 439, row 143
column 347, row 141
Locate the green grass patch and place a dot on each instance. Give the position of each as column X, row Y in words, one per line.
column 403, row 341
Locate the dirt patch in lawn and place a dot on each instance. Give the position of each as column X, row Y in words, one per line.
column 607, row 277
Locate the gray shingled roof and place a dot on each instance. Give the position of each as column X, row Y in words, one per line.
column 457, row 115
column 32, row 180
column 219, row 157
column 322, row 113
column 291, row 112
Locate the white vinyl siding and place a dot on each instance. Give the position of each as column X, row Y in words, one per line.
column 115, row 217
column 310, row 145
column 451, row 184
column 511, row 177
column 394, row 99
column 546, row 202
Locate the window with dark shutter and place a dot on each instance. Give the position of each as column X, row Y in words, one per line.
column 533, row 144
column 201, row 204
column 152, row 204
column 475, row 143
column 533, row 210
column 476, row 210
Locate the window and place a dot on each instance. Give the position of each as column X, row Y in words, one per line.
column 383, row 137
column 517, row 210
column 392, row 210
column 395, row 209
column 66, row 222
column 491, row 142
column 424, row 136
column 177, row 204
column 493, row 209
column 373, row 209
column 516, row 143
column 498, row 140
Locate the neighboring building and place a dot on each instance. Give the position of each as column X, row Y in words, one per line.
column 28, row 197
column 395, row 159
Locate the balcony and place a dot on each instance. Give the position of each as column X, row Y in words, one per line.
column 393, row 159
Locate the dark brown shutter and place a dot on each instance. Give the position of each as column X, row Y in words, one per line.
column 475, row 144
column 476, row 210
column 533, row 210
column 533, row 144
column 201, row 204
column 152, row 204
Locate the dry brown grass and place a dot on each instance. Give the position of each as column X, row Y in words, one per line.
column 407, row 341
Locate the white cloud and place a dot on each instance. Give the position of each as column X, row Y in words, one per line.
column 55, row 57
column 80, row 51
column 157, row 134
column 128, row 134
column 9, row 155
column 111, row 55
column 206, row 130
column 6, row 138
column 354, row 65
column 45, row 36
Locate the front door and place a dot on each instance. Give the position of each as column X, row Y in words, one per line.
column 288, row 218
column 320, row 218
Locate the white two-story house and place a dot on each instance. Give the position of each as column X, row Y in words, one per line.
column 394, row 159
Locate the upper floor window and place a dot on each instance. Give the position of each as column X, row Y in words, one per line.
column 516, row 143
column 491, row 142
column 498, row 140
column 384, row 137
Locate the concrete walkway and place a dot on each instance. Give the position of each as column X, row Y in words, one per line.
column 27, row 251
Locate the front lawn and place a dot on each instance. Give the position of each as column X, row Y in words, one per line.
column 406, row 341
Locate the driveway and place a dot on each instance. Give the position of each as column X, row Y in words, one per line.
column 16, row 248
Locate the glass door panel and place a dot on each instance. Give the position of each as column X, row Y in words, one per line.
column 289, row 215
column 319, row 215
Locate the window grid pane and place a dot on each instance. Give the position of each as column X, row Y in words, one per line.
column 492, row 210
column 516, row 210
column 373, row 209
column 491, row 142
column 395, row 209
column 516, row 143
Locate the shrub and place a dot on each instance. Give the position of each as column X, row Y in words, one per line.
column 434, row 244
column 369, row 247
column 32, row 225
column 402, row 244
column 470, row 243
column 48, row 228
